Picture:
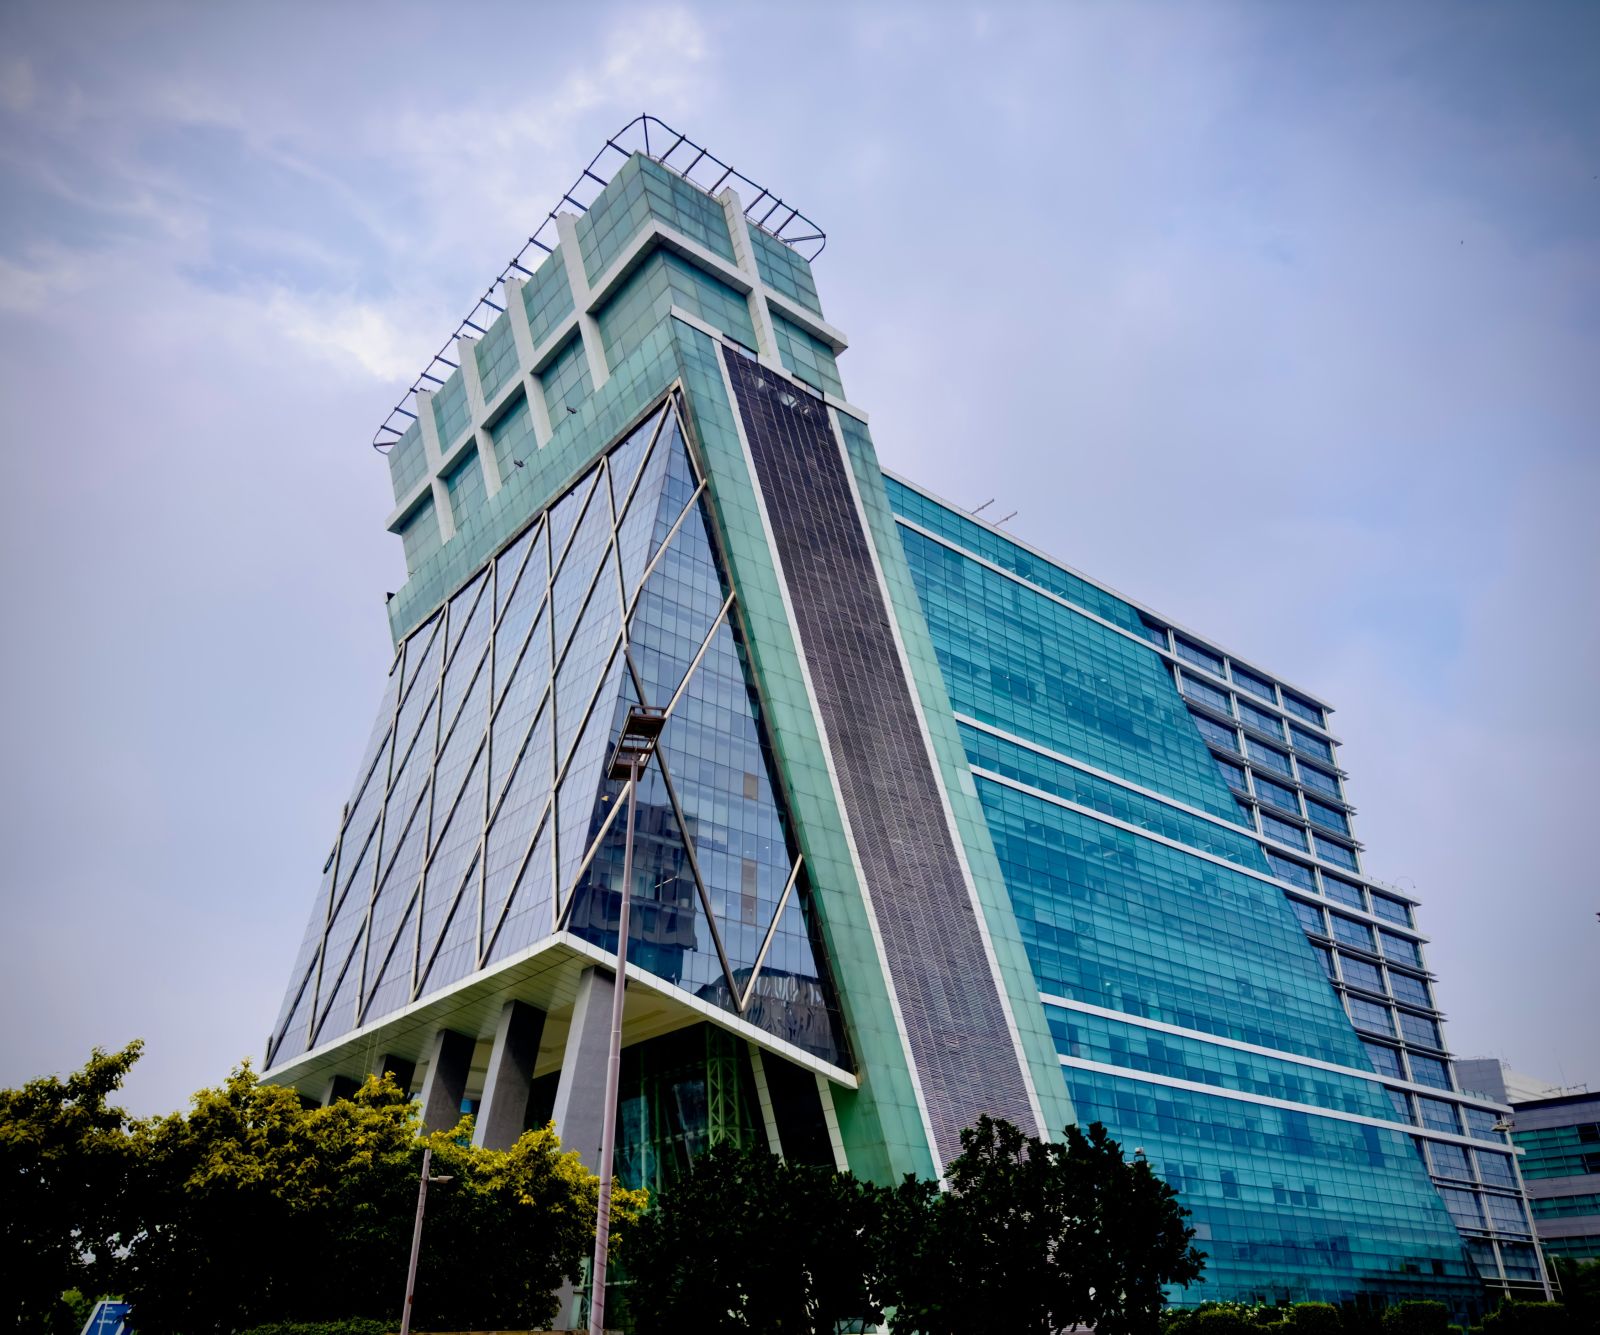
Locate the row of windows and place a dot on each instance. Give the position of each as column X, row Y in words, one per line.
column 1340, row 890
column 1422, row 1110
column 1269, row 725
column 1567, row 1207
column 1243, row 678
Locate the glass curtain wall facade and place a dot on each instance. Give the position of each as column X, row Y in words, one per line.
column 936, row 827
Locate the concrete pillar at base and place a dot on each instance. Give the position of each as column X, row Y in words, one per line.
column 445, row 1086
column 581, row 1090
column 504, row 1109
column 403, row 1071
column 339, row 1087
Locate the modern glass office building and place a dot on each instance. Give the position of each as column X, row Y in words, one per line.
column 937, row 826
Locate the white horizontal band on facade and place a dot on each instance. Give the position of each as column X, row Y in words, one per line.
column 1218, row 1040
column 1411, row 933
column 1263, row 1100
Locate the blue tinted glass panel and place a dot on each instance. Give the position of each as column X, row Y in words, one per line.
column 1506, row 1214
column 1276, row 795
column 1392, row 909
column 1420, row 1030
column 1304, row 741
column 1429, row 1071
column 1269, row 758
column 1296, row 873
column 1495, row 1169
column 1438, row 1115
column 1407, row 988
column 1401, row 948
column 1344, row 892
column 1206, row 695
column 1302, row 708
column 1358, row 973
column 1325, row 816
column 1449, row 1160
column 1310, row 916
column 1232, row 775
column 1261, row 720
column 1385, row 1060
column 1282, row 831
column 1320, row 780
column 1246, row 680
column 1216, row 734
column 1337, row 854
column 1349, row 932
column 1193, row 653
column 1370, row 1016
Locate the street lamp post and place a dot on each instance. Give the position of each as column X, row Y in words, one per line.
column 416, row 1236
column 634, row 747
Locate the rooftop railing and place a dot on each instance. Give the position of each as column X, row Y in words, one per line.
column 672, row 150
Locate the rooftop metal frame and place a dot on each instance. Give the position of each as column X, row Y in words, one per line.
column 697, row 165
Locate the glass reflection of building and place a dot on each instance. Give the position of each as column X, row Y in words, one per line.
column 936, row 827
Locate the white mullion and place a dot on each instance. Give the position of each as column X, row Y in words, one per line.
column 772, row 930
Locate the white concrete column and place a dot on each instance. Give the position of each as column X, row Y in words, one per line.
column 445, row 1085
column 829, row 1116
column 764, row 1096
column 467, row 355
column 431, row 450
column 533, row 388
column 581, row 1087
column 744, row 255
column 504, row 1108
column 593, row 347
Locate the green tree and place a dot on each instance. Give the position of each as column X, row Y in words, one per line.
column 66, row 1192
column 746, row 1241
column 257, row 1209
column 1043, row 1235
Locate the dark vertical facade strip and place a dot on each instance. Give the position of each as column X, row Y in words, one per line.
column 963, row 1050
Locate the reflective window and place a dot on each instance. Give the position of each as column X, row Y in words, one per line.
column 1320, row 780
column 1337, row 854
column 1246, row 680
column 1327, row 959
column 1302, row 708
column 1506, row 1215
column 1358, row 973
column 1481, row 1124
column 1310, row 916
column 1156, row 632
column 1349, row 932
column 1407, row 988
column 1463, row 1207
column 1304, row 741
column 1275, row 794
column 1232, row 775
column 1260, row 720
column 1520, row 1260
column 1342, row 891
column 1437, row 1115
column 1215, row 733
column 1449, row 1160
column 1419, row 1029
column 1494, row 1168
column 1401, row 948
column 1282, row 831
column 1385, row 1060
column 1266, row 756
column 1296, row 873
column 1429, row 1071
column 1206, row 695
column 1392, row 909
column 1370, row 1016
column 1402, row 1104
column 1193, row 653
column 1325, row 816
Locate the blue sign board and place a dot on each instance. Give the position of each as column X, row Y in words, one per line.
column 108, row 1319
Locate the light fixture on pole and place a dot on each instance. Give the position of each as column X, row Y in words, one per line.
column 637, row 743
column 416, row 1236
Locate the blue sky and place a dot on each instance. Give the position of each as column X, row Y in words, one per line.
column 1282, row 319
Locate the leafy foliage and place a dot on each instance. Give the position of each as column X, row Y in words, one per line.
column 746, row 1241
column 1049, row 1234
column 1314, row 1319
column 65, row 1193
column 349, row 1326
column 1416, row 1317
column 1512, row 1318
column 258, row 1207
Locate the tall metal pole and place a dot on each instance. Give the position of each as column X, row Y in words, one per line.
column 608, row 1121
column 416, row 1242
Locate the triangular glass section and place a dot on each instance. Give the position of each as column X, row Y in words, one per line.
column 710, row 806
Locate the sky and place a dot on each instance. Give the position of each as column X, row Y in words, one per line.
column 1283, row 320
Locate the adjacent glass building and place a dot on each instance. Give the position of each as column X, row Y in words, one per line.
column 937, row 827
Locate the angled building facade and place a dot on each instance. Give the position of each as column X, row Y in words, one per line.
column 937, row 827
